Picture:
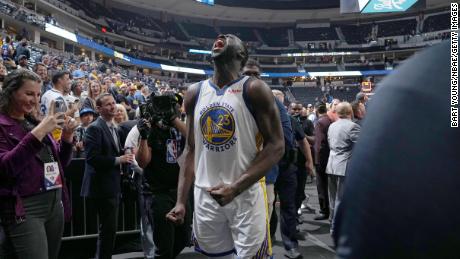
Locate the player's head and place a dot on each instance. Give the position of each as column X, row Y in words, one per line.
column 229, row 49
column 252, row 68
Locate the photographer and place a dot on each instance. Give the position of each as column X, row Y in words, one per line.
column 162, row 141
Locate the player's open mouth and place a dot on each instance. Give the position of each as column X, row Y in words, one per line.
column 219, row 44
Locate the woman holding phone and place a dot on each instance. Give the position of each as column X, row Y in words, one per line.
column 33, row 196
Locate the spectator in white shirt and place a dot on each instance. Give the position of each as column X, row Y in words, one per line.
column 61, row 81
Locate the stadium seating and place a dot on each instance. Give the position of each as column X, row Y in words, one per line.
column 281, row 69
column 395, row 28
column 7, row 8
column 200, row 30
column 357, row 34
column 244, row 33
column 364, row 67
column 345, row 95
column 262, row 51
column 173, row 29
column 197, row 35
column 315, row 34
column 437, row 22
column 275, row 37
column 91, row 8
column 306, row 95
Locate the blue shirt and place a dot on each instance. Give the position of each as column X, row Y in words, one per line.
column 79, row 74
column 271, row 175
column 131, row 101
column 139, row 97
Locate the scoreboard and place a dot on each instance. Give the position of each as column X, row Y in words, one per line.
column 208, row 2
column 384, row 6
column 366, row 86
column 380, row 6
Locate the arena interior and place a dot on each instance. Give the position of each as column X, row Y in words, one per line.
column 376, row 67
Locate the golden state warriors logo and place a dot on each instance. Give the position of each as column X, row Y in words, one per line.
column 218, row 128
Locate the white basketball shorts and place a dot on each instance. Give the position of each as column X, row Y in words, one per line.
column 239, row 227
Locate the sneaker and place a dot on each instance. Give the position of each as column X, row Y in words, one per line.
column 321, row 216
column 308, row 208
column 293, row 254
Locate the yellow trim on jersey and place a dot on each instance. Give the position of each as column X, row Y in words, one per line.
column 267, row 220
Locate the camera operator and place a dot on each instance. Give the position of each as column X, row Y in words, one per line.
column 144, row 196
column 162, row 140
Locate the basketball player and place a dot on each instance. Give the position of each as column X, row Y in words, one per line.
column 229, row 118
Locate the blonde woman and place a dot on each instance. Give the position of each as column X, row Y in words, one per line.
column 94, row 90
column 121, row 115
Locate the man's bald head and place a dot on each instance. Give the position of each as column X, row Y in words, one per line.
column 344, row 110
column 279, row 95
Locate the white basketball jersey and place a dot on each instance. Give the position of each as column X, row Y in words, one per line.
column 225, row 134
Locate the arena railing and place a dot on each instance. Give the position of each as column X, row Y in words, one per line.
column 84, row 222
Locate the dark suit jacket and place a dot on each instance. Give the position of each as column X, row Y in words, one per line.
column 124, row 129
column 102, row 176
column 321, row 146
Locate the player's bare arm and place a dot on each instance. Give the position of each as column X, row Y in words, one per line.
column 187, row 175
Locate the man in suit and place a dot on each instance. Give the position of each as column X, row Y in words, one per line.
column 321, row 155
column 101, row 182
column 341, row 136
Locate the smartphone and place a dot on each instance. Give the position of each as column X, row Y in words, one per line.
column 59, row 106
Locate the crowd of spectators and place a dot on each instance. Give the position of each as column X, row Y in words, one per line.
column 88, row 79
column 23, row 14
column 82, row 90
column 158, row 29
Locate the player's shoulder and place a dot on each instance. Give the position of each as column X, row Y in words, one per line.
column 255, row 82
column 193, row 90
column 257, row 89
column 196, row 85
